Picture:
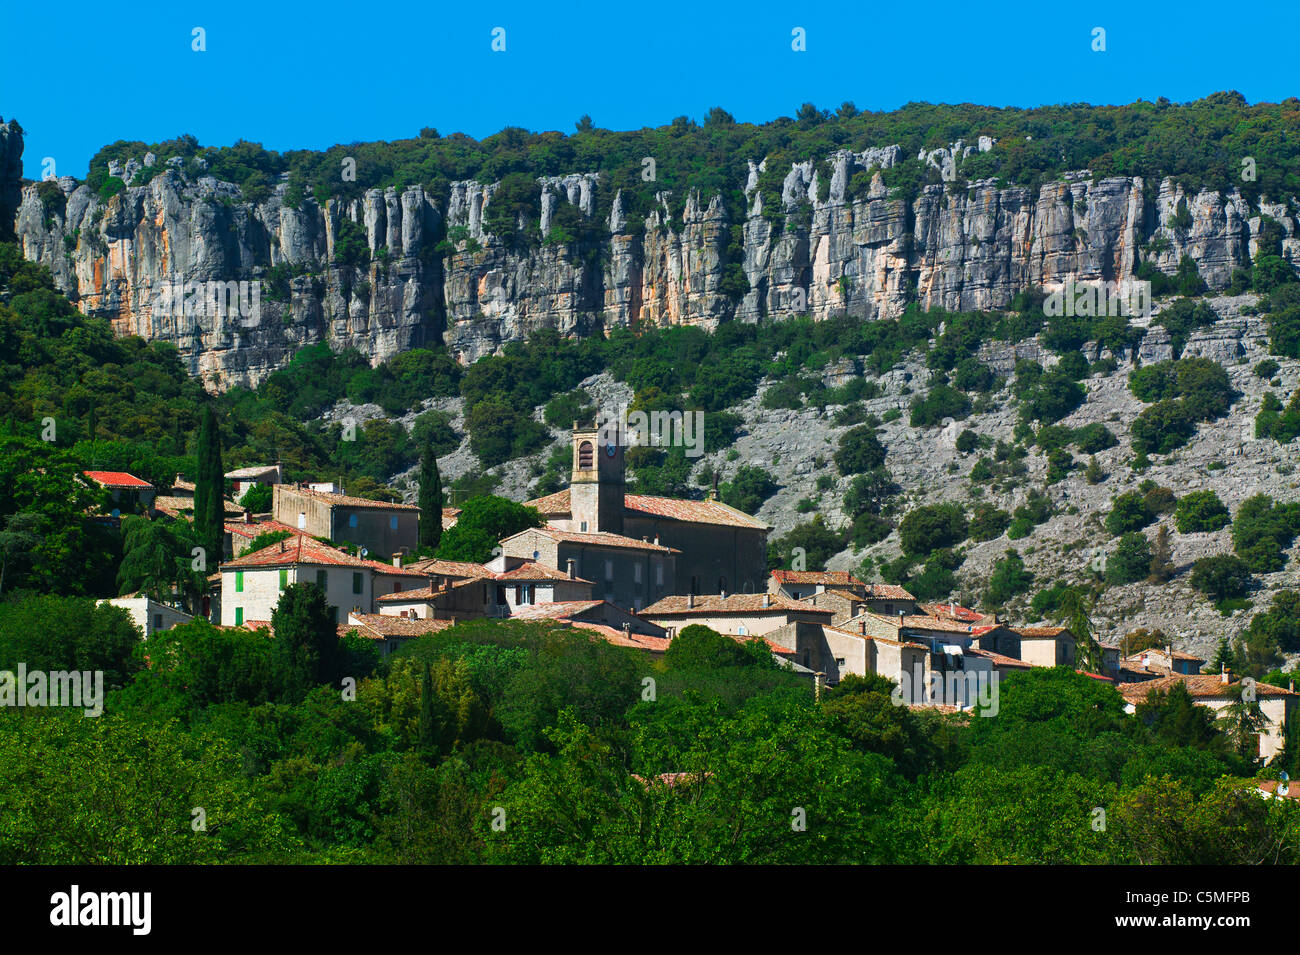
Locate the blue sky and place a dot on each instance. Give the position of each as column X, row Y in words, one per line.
column 311, row 75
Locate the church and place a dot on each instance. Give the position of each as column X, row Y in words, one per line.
column 716, row 549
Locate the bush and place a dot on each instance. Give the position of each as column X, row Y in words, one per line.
column 1200, row 511
column 1046, row 397
column 1009, row 579
column 1094, row 438
column 859, row 451
column 1221, row 577
column 1262, row 531
column 943, row 401
column 747, row 491
column 988, row 522
column 1128, row 512
column 1130, row 561
column 967, row 441
column 562, row 410
column 932, row 527
column 1266, row 368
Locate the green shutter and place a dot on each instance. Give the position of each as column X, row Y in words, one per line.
column 239, row 616
column 239, row 581
column 284, row 578
column 321, row 577
column 356, row 583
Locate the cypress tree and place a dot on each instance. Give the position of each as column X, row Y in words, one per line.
column 209, row 489
column 430, row 499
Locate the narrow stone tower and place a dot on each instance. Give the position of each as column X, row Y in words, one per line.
column 596, row 485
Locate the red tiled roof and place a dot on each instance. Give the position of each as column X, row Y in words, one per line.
column 345, row 500
column 691, row 512
column 617, row 637
column 302, row 549
column 449, row 568
column 116, row 479
column 1001, row 659
column 243, row 529
column 887, row 592
column 670, row 508
column 598, row 539
column 712, row 604
column 827, row 578
column 530, row 570
column 1033, row 632
column 920, row 622
column 423, row 593
column 952, row 612
column 381, row 626
column 1202, row 685
column 867, row 636
column 558, row 610
column 1270, row 786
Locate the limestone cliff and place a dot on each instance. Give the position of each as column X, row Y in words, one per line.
column 434, row 274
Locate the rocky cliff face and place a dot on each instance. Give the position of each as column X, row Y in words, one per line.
column 435, row 274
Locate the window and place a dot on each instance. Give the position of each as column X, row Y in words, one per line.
column 239, row 616
column 585, row 452
column 659, row 573
column 501, row 594
column 742, row 630
column 352, row 520
column 239, row 581
column 636, row 573
column 157, row 621
column 584, row 527
column 356, row 583
column 321, row 577
column 839, row 661
column 392, row 523
column 302, row 520
column 284, row 578
column 609, row 570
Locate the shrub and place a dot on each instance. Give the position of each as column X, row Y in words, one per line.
column 988, row 522
column 1200, row 511
column 1093, row 438
column 1009, row 579
column 932, row 527
column 1221, row 577
column 1262, row 531
column 943, row 401
column 859, row 451
column 747, row 491
column 1130, row 561
column 1128, row 512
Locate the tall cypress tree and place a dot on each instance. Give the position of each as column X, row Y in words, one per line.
column 209, row 489
column 430, row 499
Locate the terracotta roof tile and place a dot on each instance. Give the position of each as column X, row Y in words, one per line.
column 381, row 626
column 827, row 578
column 670, row 508
column 1199, row 685
column 345, row 500
column 598, row 539
column 707, row 604
column 530, row 570
column 116, row 479
column 449, row 568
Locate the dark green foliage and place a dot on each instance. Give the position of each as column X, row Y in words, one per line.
column 210, row 489
column 483, row 521
column 859, row 451
column 51, row 633
column 430, row 500
column 1129, row 512
column 1130, row 561
column 941, row 402
column 1280, row 623
column 967, row 441
column 748, row 489
column 1184, row 392
column 1009, row 579
column 1221, row 577
column 698, row 646
column 932, row 527
column 988, row 522
column 1262, row 531
column 1045, row 396
column 818, row 542
column 1200, row 511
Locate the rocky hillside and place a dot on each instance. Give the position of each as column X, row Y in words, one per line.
column 431, row 272
column 796, row 448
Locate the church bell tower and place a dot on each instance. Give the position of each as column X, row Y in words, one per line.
column 596, row 484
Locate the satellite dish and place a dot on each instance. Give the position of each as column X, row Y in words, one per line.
column 1283, row 783
column 364, row 552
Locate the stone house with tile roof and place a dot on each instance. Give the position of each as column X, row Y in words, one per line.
column 720, row 549
column 252, row 583
column 381, row 527
column 741, row 615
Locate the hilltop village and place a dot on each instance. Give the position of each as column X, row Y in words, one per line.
column 635, row 571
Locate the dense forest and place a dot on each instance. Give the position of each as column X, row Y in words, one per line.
column 520, row 743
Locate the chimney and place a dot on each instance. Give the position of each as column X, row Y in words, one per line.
column 627, row 630
column 900, row 618
column 283, row 547
column 248, row 516
column 722, row 592
column 862, row 627
column 568, row 565
column 690, row 601
column 1223, row 674
column 397, row 560
column 767, row 601
column 656, row 540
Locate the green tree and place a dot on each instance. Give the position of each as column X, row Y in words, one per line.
column 482, row 523
column 210, row 489
column 1200, row 511
column 1130, row 561
column 430, row 500
column 306, row 638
